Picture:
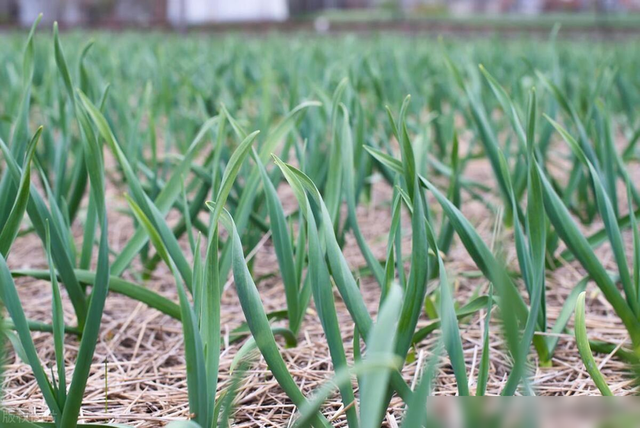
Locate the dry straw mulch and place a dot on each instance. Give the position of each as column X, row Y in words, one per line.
column 138, row 376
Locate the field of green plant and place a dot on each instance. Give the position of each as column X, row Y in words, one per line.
column 405, row 193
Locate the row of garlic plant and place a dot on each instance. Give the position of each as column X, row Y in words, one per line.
column 321, row 188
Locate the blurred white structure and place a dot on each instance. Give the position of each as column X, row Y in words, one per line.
column 190, row 12
column 175, row 12
column 530, row 7
column 29, row 10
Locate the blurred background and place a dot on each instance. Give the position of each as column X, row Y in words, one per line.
column 324, row 15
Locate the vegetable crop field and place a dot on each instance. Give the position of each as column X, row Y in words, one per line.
column 299, row 230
